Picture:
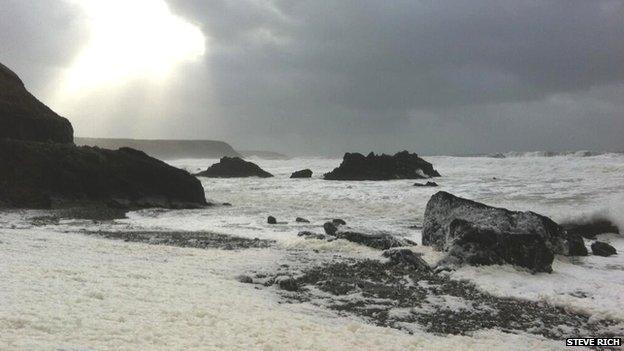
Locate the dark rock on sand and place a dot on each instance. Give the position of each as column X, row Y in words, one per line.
column 245, row 279
column 311, row 235
column 23, row 117
column 475, row 233
column 44, row 175
column 301, row 220
column 305, row 173
column 288, row 284
column 407, row 258
column 271, row 220
column 600, row 248
column 330, row 228
column 402, row 165
column 338, row 221
column 382, row 241
column 234, row 167
column 428, row 184
column 590, row 228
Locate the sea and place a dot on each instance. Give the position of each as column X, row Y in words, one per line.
column 63, row 290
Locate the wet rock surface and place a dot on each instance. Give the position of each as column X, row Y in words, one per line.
column 600, row 248
column 382, row 241
column 402, row 165
column 402, row 292
column 202, row 240
column 474, row 233
column 304, row 173
column 234, row 167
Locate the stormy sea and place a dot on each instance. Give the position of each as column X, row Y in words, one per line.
column 224, row 278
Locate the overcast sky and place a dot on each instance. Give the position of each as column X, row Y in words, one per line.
column 319, row 77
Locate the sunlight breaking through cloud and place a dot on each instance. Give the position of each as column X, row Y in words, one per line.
column 131, row 39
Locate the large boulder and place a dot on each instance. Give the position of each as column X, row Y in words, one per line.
column 304, row 173
column 234, row 167
column 474, row 233
column 44, row 175
column 402, row 165
column 23, row 117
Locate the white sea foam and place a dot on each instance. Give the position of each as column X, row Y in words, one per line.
column 63, row 290
column 73, row 292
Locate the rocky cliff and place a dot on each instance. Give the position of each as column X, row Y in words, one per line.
column 23, row 117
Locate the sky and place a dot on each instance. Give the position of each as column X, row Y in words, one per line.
column 325, row 76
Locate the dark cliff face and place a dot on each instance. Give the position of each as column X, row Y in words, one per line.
column 23, row 117
column 44, row 175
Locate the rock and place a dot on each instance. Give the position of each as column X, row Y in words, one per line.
column 301, row 220
column 23, row 117
column 589, row 229
column 41, row 168
column 428, row 184
column 483, row 246
column 305, row 173
column 381, row 241
column 402, row 165
column 338, row 221
column 575, row 246
column 44, row 175
column 271, row 220
column 288, row 284
column 407, row 258
column 600, row 248
column 310, row 235
column 245, row 279
column 234, row 167
column 475, row 233
column 330, row 228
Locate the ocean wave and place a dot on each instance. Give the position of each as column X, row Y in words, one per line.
column 579, row 153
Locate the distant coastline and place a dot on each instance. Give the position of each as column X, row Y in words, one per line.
column 166, row 148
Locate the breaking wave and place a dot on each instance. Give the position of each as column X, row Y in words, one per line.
column 580, row 153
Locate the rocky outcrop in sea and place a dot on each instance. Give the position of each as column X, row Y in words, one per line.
column 402, row 165
column 234, row 167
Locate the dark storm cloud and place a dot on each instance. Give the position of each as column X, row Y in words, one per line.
column 432, row 76
column 332, row 68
